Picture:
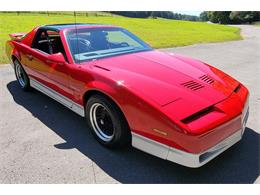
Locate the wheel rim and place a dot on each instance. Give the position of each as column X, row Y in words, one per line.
column 20, row 74
column 101, row 122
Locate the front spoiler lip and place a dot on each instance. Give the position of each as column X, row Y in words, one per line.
column 198, row 160
column 184, row 158
column 181, row 157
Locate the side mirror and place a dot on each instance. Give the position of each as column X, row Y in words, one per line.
column 57, row 57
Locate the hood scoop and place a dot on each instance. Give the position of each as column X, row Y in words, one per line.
column 207, row 79
column 193, row 85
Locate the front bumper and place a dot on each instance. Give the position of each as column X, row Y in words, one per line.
column 184, row 158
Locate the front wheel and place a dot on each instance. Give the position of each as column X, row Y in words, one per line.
column 107, row 122
column 21, row 76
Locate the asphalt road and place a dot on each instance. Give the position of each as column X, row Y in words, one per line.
column 43, row 142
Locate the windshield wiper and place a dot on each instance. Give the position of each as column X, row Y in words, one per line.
column 100, row 53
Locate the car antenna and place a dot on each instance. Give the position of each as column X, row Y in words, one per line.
column 75, row 22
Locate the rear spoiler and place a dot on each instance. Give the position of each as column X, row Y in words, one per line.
column 17, row 36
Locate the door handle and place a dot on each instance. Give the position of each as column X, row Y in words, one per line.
column 51, row 62
column 30, row 57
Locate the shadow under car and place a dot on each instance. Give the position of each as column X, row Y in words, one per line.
column 239, row 164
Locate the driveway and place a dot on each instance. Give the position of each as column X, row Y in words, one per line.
column 43, row 142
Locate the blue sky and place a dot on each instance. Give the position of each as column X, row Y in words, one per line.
column 193, row 13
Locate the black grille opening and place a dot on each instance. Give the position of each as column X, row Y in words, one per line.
column 197, row 115
column 237, row 88
column 205, row 156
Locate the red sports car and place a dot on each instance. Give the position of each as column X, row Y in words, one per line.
column 168, row 105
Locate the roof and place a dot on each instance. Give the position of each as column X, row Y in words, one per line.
column 70, row 25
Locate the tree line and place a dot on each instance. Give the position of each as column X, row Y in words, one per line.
column 221, row 17
column 156, row 14
column 230, row 17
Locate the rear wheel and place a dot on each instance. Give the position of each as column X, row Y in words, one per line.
column 21, row 76
column 106, row 122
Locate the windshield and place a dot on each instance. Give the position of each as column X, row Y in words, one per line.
column 92, row 43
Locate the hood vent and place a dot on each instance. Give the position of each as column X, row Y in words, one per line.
column 100, row 67
column 207, row 79
column 192, row 85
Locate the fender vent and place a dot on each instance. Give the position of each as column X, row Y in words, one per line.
column 192, row 85
column 206, row 79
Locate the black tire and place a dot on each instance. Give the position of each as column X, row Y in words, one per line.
column 120, row 136
column 21, row 76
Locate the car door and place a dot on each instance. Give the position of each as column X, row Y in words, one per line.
column 52, row 74
column 34, row 59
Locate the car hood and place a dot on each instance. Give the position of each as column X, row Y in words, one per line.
column 169, row 79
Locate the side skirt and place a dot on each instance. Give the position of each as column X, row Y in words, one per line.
column 79, row 109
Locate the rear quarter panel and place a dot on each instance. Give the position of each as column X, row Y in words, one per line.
column 13, row 47
column 9, row 50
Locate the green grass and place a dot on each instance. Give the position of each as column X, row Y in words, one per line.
column 159, row 33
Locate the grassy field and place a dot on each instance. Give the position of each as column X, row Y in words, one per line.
column 159, row 33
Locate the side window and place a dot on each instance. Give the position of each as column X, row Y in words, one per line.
column 55, row 42
column 49, row 41
column 41, row 42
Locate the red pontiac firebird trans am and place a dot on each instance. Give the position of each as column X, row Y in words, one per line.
column 168, row 105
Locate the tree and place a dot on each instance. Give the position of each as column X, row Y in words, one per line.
column 221, row 17
column 239, row 17
column 153, row 15
column 213, row 17
column 204, row 16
